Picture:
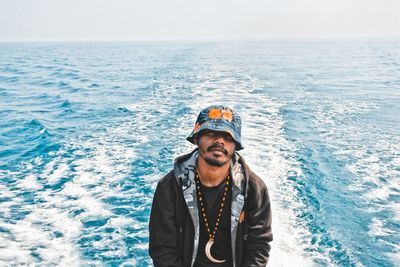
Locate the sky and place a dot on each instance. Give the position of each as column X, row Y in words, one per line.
column 149, row 20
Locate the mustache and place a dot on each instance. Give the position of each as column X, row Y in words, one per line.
column 217, row 147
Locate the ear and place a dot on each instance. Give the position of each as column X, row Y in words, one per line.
column 196, row 139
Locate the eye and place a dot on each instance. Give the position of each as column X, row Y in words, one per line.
column 229, row 137
column 209, row 133
column 212, row 134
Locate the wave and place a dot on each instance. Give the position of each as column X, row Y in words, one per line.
column 25, row 140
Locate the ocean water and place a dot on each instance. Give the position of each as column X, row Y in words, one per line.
column 87, row 130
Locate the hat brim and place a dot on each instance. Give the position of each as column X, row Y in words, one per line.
column 220, row 126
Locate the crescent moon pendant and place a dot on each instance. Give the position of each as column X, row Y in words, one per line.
column 208, row 252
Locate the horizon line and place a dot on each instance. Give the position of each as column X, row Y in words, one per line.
column 320, row 38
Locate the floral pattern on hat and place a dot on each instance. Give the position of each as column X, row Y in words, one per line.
column 218, row 113
column 218, row 118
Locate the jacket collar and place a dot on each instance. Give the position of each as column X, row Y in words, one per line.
column 185, row 169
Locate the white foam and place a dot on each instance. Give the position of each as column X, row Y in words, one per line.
column 382, row 192
column 5, row 205
column 129, row 263
column 11, row 251
column 30, row 183
column 120, row 222
column 93, row 207
column 30, row 236
column 5, row 192
column 73, row 190
column 395, row 255
column 376, row 228
column 396, row 209
column 58, row 173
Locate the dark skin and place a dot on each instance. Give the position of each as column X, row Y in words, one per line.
column 215, row 153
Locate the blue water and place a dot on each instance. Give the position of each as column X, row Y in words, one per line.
column 87, row 129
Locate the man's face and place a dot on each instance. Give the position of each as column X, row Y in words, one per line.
column 216, row 148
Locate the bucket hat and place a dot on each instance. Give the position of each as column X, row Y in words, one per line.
column 218, row 118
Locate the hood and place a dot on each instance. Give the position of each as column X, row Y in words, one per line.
column 185, row 169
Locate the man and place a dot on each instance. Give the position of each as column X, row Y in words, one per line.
column 211, row 209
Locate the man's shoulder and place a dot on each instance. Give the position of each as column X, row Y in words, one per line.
column 167, row 185
column 168, row 178
column 257, row 190
column 255, row 182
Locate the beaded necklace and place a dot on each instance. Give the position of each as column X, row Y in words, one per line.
column 211, row 235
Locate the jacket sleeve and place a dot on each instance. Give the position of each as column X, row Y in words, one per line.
column 163, row 241
column 259, row 232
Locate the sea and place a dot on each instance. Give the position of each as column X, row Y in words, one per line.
column 88, row 129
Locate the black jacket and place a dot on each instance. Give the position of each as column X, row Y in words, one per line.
column 174, row 220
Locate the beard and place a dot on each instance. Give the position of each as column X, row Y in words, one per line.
column 215, row 161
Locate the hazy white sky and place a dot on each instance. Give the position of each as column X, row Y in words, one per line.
column 126, row 20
